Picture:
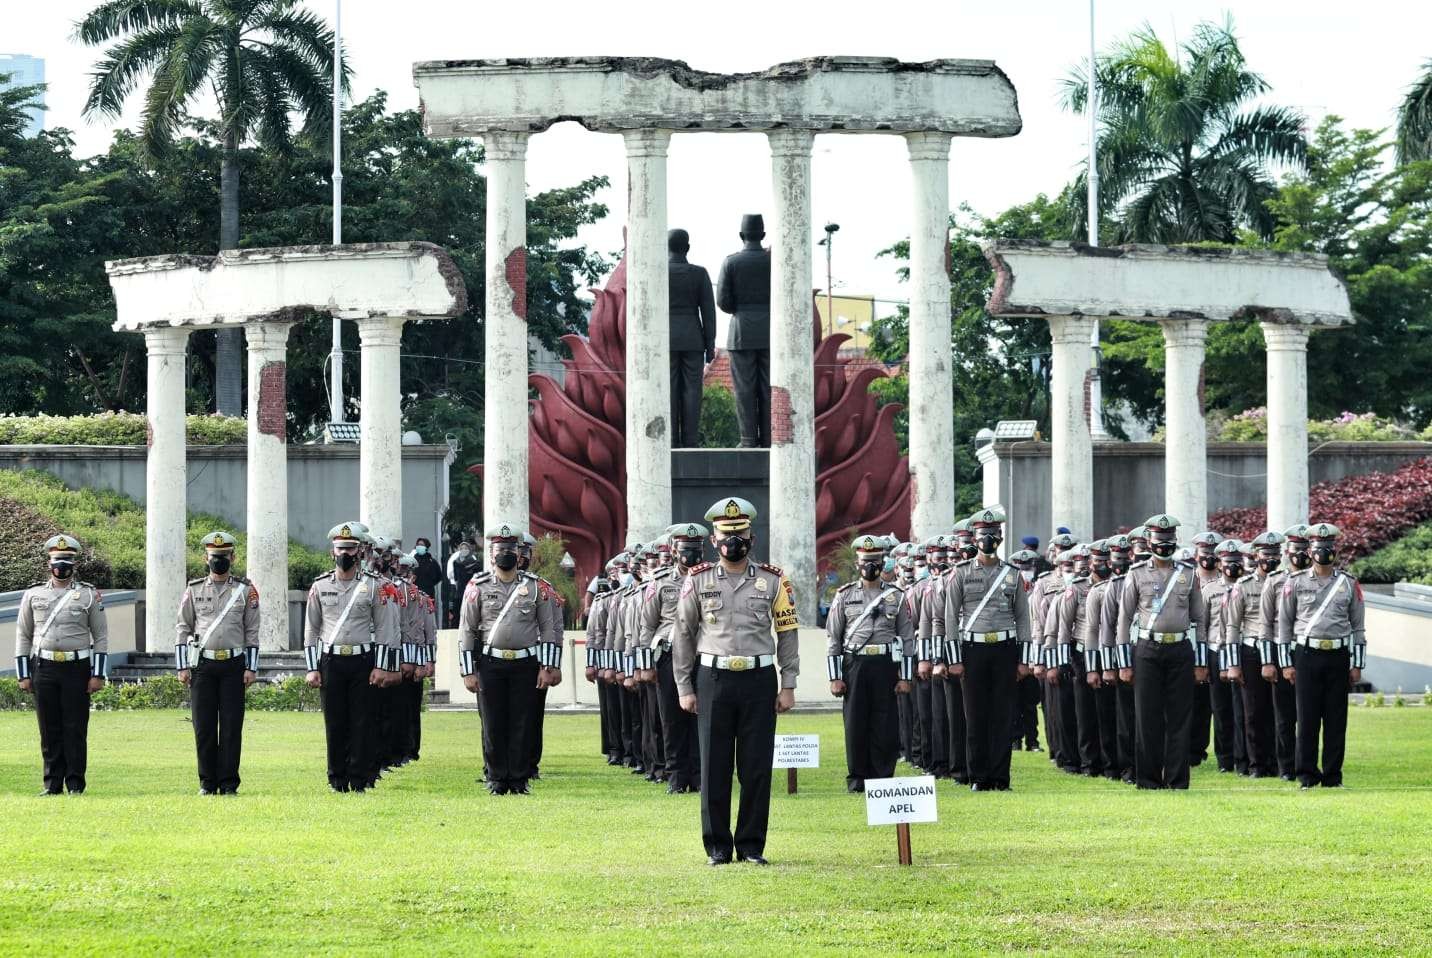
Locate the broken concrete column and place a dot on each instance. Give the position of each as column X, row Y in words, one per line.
column 504, row 411
column 266, row 517
column 165, row 485
column 1072, row 447
column 1186, row 439
column 648, row 342
column 793, row 531
column 1287, row 423
column 380, row 426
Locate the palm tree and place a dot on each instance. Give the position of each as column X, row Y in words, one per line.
column 261, row 60
column 1414, row 120
column 1179, row 159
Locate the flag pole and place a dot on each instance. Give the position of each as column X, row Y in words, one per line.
column 1096, row 398
column 335, row 363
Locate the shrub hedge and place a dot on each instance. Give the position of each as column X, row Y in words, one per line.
column 289, row 694
column 1409, row 559
column 114, row 429
column 35, row 505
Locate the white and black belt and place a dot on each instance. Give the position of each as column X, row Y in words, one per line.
column 872, row 649
column 1325, row 645
column 1166, row 638
column 508, row 655
column 59, row 655
column 222, row 655
column 345, row 650
column 736, row 663
column 997, row 635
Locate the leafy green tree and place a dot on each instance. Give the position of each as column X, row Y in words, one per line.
column 1180, row 157
column 1414, row 120
column 262, row 60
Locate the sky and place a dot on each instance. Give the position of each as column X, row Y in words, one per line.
column 1354, row 60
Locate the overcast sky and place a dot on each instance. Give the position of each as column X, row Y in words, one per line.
column 1354, row 60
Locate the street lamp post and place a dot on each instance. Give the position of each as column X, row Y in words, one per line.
column 829, row 244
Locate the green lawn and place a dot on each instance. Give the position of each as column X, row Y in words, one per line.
column 597, row 862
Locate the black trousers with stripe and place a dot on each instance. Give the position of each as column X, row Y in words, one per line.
column 987, row 696
column 62, row 707
column 534, row 730
column 956, row 733
column 507, row 689
column 872, row 731
column 347, row 716
column 1257, row 696
column 610, row 694
column 1164, row 693
column 678, row 730
column 1285, row 726
column 1321, row 688
column 1126, row 726
column 1086, row 715
column 1026, row 713
column 736, row 723
column 216, row 708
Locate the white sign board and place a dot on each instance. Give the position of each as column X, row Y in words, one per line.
column 890, row 801
column 797, row 751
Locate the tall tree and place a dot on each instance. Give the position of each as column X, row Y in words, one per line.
column 1180, row 159
column 261, row 60
column 1414, row 120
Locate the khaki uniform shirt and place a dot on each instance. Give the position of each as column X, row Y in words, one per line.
column 373, row 617
column 201, row 606
column 1109, row 616
column 1181, row 611
column 887, row 624
column 658, row 609
column 1303, row 595
column 528, row 621
column 1072, row 616
column 744, row 613
column 80, row 622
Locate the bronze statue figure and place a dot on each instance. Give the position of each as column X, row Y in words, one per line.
column 693, row 338
column 744, row 291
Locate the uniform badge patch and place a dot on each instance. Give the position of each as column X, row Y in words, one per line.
column 761, row 585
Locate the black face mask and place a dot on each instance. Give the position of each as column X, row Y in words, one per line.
column 1207, row 562
column 1324, row 556
column 62, row 570
column 1268, row 563
column 345, row 560
column 1233, row 571
column 506, row 561
column 1119, row 566
column 1300, row 560
column 988, row 544
column 219, row 565
column 1101, row 569
column 968, row 550
column 689, row 556
column 734, row 548
column 1164, row 549
column 523, row 561
column 870, row 571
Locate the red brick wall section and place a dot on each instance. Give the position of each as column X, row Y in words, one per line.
column 515, row 267
column 273, row 404
column 781, row 431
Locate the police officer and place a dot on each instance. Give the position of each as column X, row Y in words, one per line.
column 62, row 656
column 1099, row 703
column 1245, row 662
column 1285, row 705
column 389, row 725
column 626, row 636
column 1215, row 708
column 678, row 727
column 1162, row 600
column 350, row 643
column 601, row 590
column 736, row 621
column 1223, row 643
column 217, row 655
column 1071, row 566
column 985, row 624
column 693, row 337
column 1026, row 706
column 1120, row 555
column 506, row 654
column 418, row 625
column 906, row 575
column 1078, row 617
column 1322, row 650
column 555, row 619
column 1047, row 588
column 653, row 749
column 870, row 655
column 930, row 684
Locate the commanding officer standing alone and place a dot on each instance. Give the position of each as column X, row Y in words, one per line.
column 736, row 621
column 62, row 624
column 351, row 644
column 870, row 656
column 217, row 655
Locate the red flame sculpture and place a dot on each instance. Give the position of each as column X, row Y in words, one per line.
column 577, row 451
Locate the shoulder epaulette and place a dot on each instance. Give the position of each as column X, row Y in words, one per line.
column 1297, row 572
column 1140, row 564
column 698, row 569
column 37, row 585
column 86, row 585
column 1043, row 574
column 962, row 563
column 845, row 588
column 326, row 575
column 772, row 569
column 196, row 581
column 480, row 577
column 1245, row 578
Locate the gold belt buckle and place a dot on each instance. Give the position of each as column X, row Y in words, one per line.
column 60, row 657
column 508, row 654
column 222, row 654
column 873, row 650
column 1168, row 638
column 1325, row 645
column 991, row 636
column 345, row 650
column 738, row 663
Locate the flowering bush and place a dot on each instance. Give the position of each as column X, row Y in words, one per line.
column 1371, row 510
column 1251, row 425
column 114, row 429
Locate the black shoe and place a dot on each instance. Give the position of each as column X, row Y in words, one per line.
column 979, row 787
column 854, row 786
column 496, row 788
column 207, row 791
column 1332, row 785
column 675, row 788
column 1069, row 769
column 77, row 791
column 1001, row 786
column 961, row 778
column 614, row 759
column 752, row 859
column 534, row 776
column 1032, row 747
column 233, row 792
column 651, row 777
column 338, row 788
column 718, row 858
column 519, row 788
column 638, row 769
column 1224, row 771
column 1287, row 776
column 1259, row 773
column 359, row 789
column 50, row 792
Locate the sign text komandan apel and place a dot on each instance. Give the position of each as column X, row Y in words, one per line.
column 890, row 801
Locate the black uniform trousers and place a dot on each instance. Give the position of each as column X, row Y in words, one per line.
column 347, row 718
column 736, row 723
column 678, row 730
column 507, row 689
column 1066, row 719
column 1285, row 725
column 1227, row 707
column 653, row 753
column 905, row 709
column 1257, row 695
column 920, row 704
column 1164, row 693
column 1321, row 688
column 534, row 732
column 1049, row 696
column 412, row 690
column 987, row 698
column 1086, row 718
column 1026, row 713
column 603, row 729
column 751, row 377
column 956, row 744
column 1106, row 713
column 396, row 728
column 631, row 726
column 216, row 708
column 686, row 369
column 1127, row 726
column 62, row 706
column 611, row 697
column 939, row 729
column 1202, row 722
column 872, row 733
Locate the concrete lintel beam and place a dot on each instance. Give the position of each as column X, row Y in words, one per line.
column 410, row 280
column 614, row 94
column 1034, row 278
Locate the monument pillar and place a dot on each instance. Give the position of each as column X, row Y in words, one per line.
column 165, row 485
column 504, row 330
column 932, row 439
column 1072, row 446
column 1185, row 442
column 648, row 342
column 380, row 436
column 266, row 562
column 1287, row 424
column 793, row 530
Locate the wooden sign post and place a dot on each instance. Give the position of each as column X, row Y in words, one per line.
column 898, row 802
column 796, row 752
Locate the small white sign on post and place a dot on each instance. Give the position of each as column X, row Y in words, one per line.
column 797, row 751
column 900, row 801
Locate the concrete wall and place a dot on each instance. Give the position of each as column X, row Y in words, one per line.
column 322, row 482
column 1129, row 478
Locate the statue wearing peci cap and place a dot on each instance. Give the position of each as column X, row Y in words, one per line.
column 743, row 289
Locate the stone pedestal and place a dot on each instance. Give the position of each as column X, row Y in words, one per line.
column 380, row 443
column 266, row 562
column 1287, row 424
column 166, row 503
column 932, row 439
column 504, row 411
column 648, row 341
column 1186, row 470
column 1073, row 451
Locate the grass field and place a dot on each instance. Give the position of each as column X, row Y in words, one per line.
column 597, row 862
